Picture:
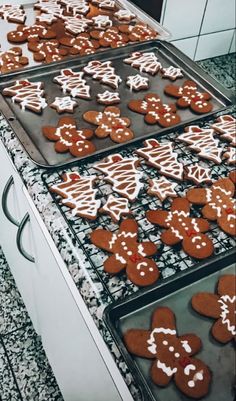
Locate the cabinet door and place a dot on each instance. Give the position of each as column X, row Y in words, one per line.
column 77, row 363
column 13, row 208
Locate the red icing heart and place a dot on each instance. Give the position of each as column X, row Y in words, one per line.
column 154, row 144
column 135, row 258
column 191, row 232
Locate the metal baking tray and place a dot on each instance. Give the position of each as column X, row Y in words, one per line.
column 58, row 27
column 176, row 293
column 27, row 125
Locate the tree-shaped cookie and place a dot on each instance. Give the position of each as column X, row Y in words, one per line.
column 123, row 174
column 68, row 138
column 189, row 96
column 180, row 227
column 155, row 111
column 220, row 306
column 218, row 203
column 127, row 253
column 78, row 193
column 172, row 354
column 110, row 123
column 225, row 126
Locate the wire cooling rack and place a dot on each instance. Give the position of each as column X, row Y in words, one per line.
column 170, row 260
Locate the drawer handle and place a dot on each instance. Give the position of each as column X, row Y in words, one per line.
column 5, row 209
column 20, row 247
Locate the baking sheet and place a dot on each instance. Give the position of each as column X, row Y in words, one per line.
column 27, row 125
column 176, row 294
column 58, row 27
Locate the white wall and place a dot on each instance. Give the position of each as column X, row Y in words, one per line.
column 201, row 28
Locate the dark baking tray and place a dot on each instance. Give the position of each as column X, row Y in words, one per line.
column 136, row 311
column 27, row 125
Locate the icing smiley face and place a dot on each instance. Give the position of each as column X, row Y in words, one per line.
column 180, row 227
column 127, row 253
column 172, row 354
column 68, row 138
column 220, row 306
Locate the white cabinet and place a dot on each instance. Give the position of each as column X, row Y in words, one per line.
column 81, row 361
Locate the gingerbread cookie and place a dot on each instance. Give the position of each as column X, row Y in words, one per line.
column 219, row 203
column 220, row 306
column 48, row 19
column 101, row 22
column 124, row 15
column 172, row 354
column 202, row 141
column 30, row 33
column 73, row 83
column 108, row 98
column 162, row 188
column 76, row 6
column 82, row 44
column 180, row 227
column 116, row 207
column 145, row 62
column 189, row 96
column 155, row 111
column 171, row 73
column 30, row 95
column 226, row 127
column 103, row 72
column 51, row 7
column 111, row 37
column 230, row 156
column 232, row 176
column 105, row 4
column 137, row 82
column 13, row 13
column 198, row 174
column 68, row 138
column 127, row 253
column 12, row 60
column 75, row 25
column 141, row 32
column 47, row 51
column 78, row 194
column 162, row 157
column 64, row 104
column 123, row 174
column 110, row 124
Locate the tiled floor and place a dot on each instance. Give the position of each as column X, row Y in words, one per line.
column 25, row 374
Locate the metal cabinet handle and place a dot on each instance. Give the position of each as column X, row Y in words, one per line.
column 5, row 209
column 21, row 227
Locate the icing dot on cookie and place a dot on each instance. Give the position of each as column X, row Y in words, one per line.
column 171, row 349
column 123, row 243
column 165, row 342
column 129, row 253
column 142, row 274
column 177, row 355
column 191, row 383
column 150, row 269
column 203, row 243
column 231, row 226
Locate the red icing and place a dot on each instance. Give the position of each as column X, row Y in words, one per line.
column 74, row 177
column 116, row 158
column 67, row 72
column 135, row 258
column 24, row 83
column 229, row 210
column 185, row 361
column 191, row 232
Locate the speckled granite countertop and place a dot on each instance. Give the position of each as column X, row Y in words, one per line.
column 91, row 288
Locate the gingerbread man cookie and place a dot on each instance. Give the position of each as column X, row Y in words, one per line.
column 110, row 124
column 47, row 51
column 220, row 306
column 155, row 111
column 78, row 194
column 172, row 354
column 189, row 96
column 123, row 174
column 68, row 138
column 180, row 227
column 30, row 33
column 127, row 253
column 219, row 203
column 82, row 44
column 12, row 60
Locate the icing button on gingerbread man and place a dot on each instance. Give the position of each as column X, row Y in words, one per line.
column 181, row 227
column 219, row 203
column 189, row 96
column 68, row 138
column 128, row 253
column 220, row 306
column 172, row 354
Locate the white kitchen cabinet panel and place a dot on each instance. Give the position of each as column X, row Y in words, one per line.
column 219, row 16
column 233, row 44
column 187, row 46
column 214, row 44
column 183, row 17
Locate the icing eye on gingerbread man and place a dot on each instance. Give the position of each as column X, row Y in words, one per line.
column 110, row 124
column 189, row 96
column 172, row 354
column 220, row 306
column 127, row 253
column 218, row 202
column 155, row 111
column 180, row 227
column 68, row 138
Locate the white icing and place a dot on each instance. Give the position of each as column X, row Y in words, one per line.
column 50, row 6
column 198, row 174
column 176, row 233
column 120, row 258
column 76, row 6
column 145, row 62
column 104, row 72
column 197, row 377
column 162, row 188
column 186, row 346
column 166, row 369
column 64, row 103
column 123, row 175
column 110, row 4
column 108, row 97
column 172, row 72
column 124, row 15
column 28, row 96
column 76, row 25
column 226, row 127
column 101, row 22
column 73, row 83
column 141, row 250
column 80, row 194
column 13, row 13
column 116, row 207
column 188, row 369
column 137, row 82
column 224, row 299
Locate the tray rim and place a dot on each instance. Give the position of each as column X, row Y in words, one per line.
column 204, row 269
column 190, row 66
